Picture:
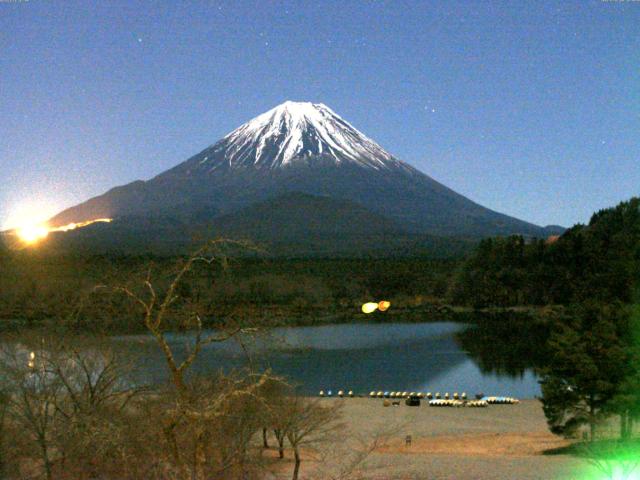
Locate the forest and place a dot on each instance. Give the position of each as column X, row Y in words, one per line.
column 599, row 261
column 63, row 291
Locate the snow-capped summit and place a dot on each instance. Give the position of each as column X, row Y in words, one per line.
column 299, row 148
column 296, row 131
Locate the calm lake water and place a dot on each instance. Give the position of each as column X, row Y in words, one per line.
column 424, row 357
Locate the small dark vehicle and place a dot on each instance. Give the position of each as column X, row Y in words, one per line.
column 413, row 401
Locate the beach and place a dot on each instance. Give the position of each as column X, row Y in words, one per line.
column 496, row 442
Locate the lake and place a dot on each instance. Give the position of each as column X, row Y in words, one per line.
column 427, row 357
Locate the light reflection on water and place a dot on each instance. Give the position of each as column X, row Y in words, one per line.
column 359, row 357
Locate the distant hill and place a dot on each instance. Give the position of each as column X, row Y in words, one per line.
column 298, row 216
column 292, row 224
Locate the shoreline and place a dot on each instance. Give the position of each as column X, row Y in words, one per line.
column 273, row 316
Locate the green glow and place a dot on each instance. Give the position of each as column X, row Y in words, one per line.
column 619, row 473
column 617, row 461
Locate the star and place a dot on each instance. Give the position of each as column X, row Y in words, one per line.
column 139, row 40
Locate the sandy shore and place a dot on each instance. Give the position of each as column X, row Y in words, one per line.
column 497, row 442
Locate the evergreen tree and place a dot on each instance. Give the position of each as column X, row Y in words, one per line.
column 587, row 366
column 626, row 403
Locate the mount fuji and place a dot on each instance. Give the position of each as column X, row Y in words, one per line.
column 299, row 152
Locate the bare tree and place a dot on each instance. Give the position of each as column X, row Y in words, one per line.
column 93, row 376
column 193, row 417
column 96, row 391
column 67, row 400
column 309, row 423
column 276, row 393
column 157, row 309
column 32, row 396
column 269, row 392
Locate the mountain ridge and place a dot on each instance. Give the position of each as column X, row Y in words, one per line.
column 294, row 224
column 303, row 147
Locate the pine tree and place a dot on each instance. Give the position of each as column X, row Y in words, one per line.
column 626, row 403
column 587, row 366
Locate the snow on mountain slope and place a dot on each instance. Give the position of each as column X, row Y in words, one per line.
column 294, row 131
column 306, row 148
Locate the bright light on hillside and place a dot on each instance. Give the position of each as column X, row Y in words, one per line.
column 30, row 230
column 32, row 233
column 28, row 221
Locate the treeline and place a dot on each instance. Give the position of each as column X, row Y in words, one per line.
column 38, row 289
column 598, row 262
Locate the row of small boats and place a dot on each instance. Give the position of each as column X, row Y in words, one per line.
column 435, row 400
column 421, row 395
column 459, row 403
column 478, row 403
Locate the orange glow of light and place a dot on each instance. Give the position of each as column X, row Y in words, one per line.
column 73, row 226
column 33, row 233
column 384, row 305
